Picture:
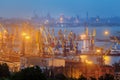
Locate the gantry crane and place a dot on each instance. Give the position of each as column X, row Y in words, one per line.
column 3, row 36
column 45, row 41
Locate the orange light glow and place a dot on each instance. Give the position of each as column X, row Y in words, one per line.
column 89, row 62
column 83, row 36
column 27, row 37
column 106, row 33
column 23, row 34
column 98, row 50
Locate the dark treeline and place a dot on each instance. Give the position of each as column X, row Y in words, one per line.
column 35, row 73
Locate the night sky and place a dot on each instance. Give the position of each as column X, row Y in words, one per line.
column 26, row 8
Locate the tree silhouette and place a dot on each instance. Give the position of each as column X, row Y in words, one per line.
column 101, row 78
column 4, row 71
column 82, row 78
column 30, row 73
column 106, row 77
column 117, row 67
column 60, row 77
column 92, row 78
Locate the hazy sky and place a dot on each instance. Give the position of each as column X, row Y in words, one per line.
column 25, row 8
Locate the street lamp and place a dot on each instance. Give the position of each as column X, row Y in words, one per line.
column 25, row 37
column 106, row 34
column 87, row 66
column 100, row 59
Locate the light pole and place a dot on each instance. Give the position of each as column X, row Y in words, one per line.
column 106, row 35
column 24, row 38
column 87, row 64
column 100, row 59
column 22, row 58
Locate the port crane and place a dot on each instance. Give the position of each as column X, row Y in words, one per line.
column 3, row 36
column 46, row 41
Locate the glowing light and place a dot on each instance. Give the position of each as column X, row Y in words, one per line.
column 27, row 37
column 83, row 58
column 5, row 31
column 107, row 59
column 83, row 36
column 61, row 19
column 106, row 33
column 98, row 50
column 88, row 62
column 24, row 34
